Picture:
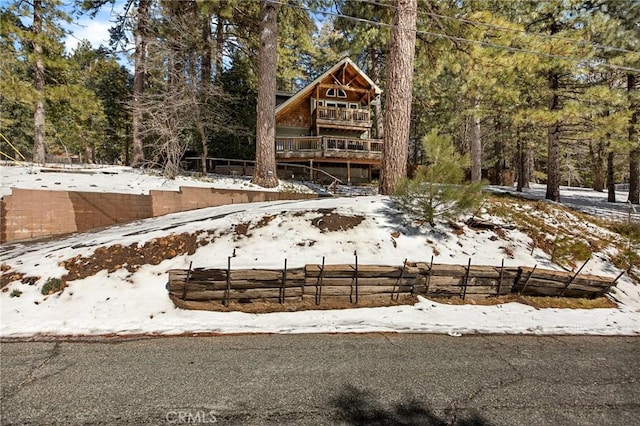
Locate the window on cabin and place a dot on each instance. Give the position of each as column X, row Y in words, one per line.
column 336, row 93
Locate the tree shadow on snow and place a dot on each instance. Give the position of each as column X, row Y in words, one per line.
column 398, row 221
column 360, row 407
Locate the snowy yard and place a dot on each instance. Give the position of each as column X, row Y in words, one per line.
column 124, row 302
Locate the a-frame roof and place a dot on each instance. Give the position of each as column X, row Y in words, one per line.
column 356, row 75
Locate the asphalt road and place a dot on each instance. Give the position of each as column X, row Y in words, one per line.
column 324, row 379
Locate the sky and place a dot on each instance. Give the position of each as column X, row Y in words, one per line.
column 96, row 29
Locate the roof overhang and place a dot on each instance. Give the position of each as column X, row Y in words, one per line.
column 309, row 88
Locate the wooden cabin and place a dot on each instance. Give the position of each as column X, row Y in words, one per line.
column 327, row 125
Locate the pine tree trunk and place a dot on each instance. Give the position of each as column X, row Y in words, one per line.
column 265, row 170
column 207, row 43
column 377, row 107
column 634, row 141
column 38, row 82
column 399, row 95
column 476, row 144
column 219, row 47
column 597, row 158
column 523, row 163
column 205, row 82
column 531, row 166
column 553, row 143
column 498, row 148
column 611, row 184
column 140, row 80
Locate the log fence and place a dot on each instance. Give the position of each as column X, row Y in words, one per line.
column 353, row 282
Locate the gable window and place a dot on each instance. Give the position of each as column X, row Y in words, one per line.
column 336, row 93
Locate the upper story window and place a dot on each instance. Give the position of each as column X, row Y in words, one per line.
column 338, row 104
column 336, row 93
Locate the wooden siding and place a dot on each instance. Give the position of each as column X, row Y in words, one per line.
column 299, row 116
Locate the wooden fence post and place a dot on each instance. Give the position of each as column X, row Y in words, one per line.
column 354, row 280
column 466, row 279
column 284, row 283
column 573, row 278
column 228, row 295
column 501, row 276
column 604, row 290
column 527, row 280
column 397, row 284
column 319, row 284
column 184, row 290
column 426, row 290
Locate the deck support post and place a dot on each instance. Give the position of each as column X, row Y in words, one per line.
column 348, row 172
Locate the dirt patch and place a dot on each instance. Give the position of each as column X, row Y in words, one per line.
column 242, row 229
column 330, row 221
column 264, row 221
column 131, row 257
column 8, row 276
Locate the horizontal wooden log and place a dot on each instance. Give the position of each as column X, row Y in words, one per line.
column 244, row 274
column 364, row 271
column 381, row 281
column 239, row 285
column 486, row 290
column 362, row 290
column 448, row 270
column 564, row 276
column 420, row 289
column 475, row 271
column 472, row 281
column 538, row 282
column 556, row 292
column 217, row 305
column 239, row 294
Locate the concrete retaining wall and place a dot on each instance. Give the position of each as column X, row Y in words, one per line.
column 27, row 213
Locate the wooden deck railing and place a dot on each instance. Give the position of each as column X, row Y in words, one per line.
column 350, row 115
column 328, row 144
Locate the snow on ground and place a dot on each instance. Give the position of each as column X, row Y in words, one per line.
column 582, row 199
column 117, row 179
column 132, row 303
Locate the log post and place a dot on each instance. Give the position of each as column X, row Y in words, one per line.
column 284, row 283
column 501, row 276
column 319, row 283
column 228, row 291
column 354, row 280
column 184, row 290
column 466, row 279
column 397, row 284
column 426, row 290
column 527, row 280
column 573, row 278
column 604, row 290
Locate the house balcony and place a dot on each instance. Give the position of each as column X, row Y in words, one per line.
column 342, row 118
column 329, row 149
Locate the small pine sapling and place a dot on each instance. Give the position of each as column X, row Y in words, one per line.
column 438, row 188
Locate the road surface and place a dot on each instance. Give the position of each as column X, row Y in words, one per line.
column 324, row 379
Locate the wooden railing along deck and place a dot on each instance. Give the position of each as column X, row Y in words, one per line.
column 328, row 146
column 349, row 115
